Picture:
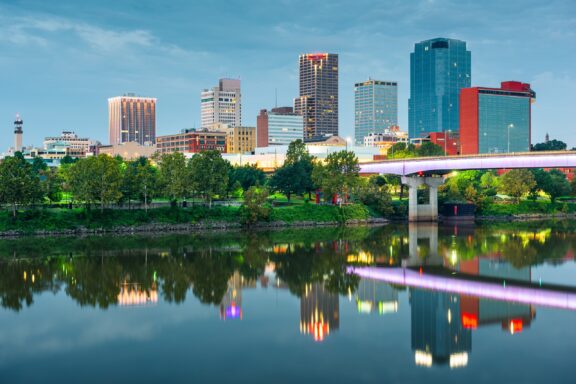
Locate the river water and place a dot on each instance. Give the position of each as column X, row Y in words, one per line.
column 408, row 304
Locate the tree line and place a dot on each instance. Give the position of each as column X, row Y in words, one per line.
column 102, row 181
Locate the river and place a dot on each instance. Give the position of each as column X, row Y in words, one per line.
column 397, row 303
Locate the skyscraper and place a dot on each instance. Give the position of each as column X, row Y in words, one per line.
column 222, row 104
column 496, row 120
column 439, row 69
column 375, row 107
column 132, row 119
column 318, row 101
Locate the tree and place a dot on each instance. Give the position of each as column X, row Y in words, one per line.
column 19, row 184
column 516, row 183
column 286, row 180
column 428, row 149
column 401, row 151
column 299, row 156
column 174, row 175
column 374, row 194
column 551, row 145
column 553, row 183
column 247, row 176
column 339, row 175
column 96, row 178
column 209, row 174
column 51, row 182
column 139, row 181
column 255, row 205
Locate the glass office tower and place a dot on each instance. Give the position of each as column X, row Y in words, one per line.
column 375, row 107
column 496, row 120
column 439, row 69
column 318, row 101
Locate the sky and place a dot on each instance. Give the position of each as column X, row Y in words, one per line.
column 60, row 60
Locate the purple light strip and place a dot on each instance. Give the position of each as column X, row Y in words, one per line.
column 517, row 294
column 407, row 167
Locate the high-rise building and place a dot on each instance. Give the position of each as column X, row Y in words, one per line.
column 439, row 69
column 132, row 118
column 318, row 101
column 18, row 133
column 496, row 120
column 375, row 107
column 222, row 105
column 280, row 126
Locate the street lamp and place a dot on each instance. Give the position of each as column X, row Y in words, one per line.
column 348, row 140
column 510, row 126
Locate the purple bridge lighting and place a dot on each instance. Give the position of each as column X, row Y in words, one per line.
column 403, row 167
column 518, row 294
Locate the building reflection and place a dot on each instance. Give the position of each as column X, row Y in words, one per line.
column 513, row 317
column 319, row 311
column 438, row 336
column 231, row 305
column 135, row 294
column 374, row 296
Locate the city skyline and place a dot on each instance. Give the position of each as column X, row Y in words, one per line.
column 55, row 56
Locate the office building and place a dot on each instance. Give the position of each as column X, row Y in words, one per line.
column 241, row 140
column 70, row 140
column 385, row 140
column 375, row 107
column 439, row 69
column 192, row 141
column 280, row 126
column 222, row 105
column 318, row 100
column 132, row 119
column 496, row 120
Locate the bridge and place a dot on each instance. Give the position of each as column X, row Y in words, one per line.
column 412, row 171
column 525, row 294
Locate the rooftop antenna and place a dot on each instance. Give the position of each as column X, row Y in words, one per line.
column 275, row 97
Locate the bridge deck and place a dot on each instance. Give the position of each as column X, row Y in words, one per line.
column 559, row 159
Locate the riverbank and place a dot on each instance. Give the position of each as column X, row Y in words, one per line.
column 46, row 222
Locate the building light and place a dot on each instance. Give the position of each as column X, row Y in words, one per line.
column 458, row 360
column 423, row 359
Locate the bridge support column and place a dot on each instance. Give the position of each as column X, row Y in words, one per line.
column 422, row 212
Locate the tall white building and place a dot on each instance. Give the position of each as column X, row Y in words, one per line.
column 222, row 105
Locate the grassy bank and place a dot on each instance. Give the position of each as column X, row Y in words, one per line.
column 527, row 207
column 73, row 219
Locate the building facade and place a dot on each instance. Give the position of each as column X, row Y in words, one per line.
column 496, row 120
column 280, row 126
column 222, row 105
column 192, row 141
column 241, row 140
column 385, row 140
column 439, row 69
column 318, row 100
column 128, row 151
column 132, row 119
column 70, row 140
column 375, row 107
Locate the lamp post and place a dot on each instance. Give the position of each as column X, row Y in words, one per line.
column 510, row 126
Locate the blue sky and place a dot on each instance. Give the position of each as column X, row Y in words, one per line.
column 61, row 59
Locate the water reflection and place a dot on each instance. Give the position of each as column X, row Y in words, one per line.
column 458, row 279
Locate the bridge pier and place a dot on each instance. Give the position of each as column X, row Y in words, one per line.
column 422, row 212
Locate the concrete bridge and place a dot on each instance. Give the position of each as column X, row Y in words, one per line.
column 429, row 170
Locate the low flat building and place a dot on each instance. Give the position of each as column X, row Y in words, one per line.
column 192, row 141
column 385, row 140
column 69, row 139
column 128, row 151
